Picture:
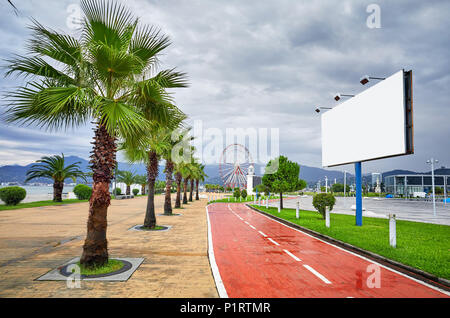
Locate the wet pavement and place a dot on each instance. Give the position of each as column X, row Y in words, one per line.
column 259, row 257
column 418, row 211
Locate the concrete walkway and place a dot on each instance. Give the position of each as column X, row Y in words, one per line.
column 33, row 241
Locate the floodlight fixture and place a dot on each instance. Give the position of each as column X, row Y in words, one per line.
column 366, row 79
column 338, row 96
column 319, row 108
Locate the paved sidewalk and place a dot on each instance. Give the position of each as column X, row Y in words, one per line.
column 33, row 241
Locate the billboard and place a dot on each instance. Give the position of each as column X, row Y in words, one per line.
column 375, row 124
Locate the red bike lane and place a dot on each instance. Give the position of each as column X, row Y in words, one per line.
column 258, row 257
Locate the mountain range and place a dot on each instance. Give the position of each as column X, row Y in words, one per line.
column 17, row 173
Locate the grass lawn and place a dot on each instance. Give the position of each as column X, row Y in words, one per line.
column 112, row 266
column 420, row 245
column 38, row 204
column 156, row 228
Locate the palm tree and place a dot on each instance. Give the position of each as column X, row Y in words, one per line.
column 127, row 177
column 194, row 167
column 156, row 144
column 186, row 174
column 150, row 156
column 169, row 169
column 200, row 176
column 103, row 77
column 178, row 179
column 54, row 168
column 142, row 181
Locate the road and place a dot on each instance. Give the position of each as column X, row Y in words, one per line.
column 259, row 257
column 418, row 211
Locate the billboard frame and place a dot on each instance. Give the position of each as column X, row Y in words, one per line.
column 409, row 122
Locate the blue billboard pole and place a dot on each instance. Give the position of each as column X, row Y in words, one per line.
column 358, row 194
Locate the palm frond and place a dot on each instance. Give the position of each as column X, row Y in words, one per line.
column 107, row 22
column 59, row 47
column 147, row 43
column 50, row 107
column 121, row 119
column 27, row 66
column 53, row 167
column 171, row 79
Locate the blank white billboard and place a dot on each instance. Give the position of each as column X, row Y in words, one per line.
column 374, row 124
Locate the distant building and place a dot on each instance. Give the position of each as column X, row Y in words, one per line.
column 408, row 184
column 252, row 180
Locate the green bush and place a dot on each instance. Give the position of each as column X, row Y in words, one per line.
column 82, row 191
column 323, row 200
column 12, row 195
column 237, row 193
column 244, row 194
column 135, row 191
column 117, row 191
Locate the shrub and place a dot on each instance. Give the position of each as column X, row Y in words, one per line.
column 244, row 194
column 237, row 193
column 117, row 191
column 82, row 191
column 135, row 191
column 12, row 195
column 323, row 200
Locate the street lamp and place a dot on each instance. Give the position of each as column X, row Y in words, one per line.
column 345, row 182
column 366, row 79
column 338, row 96
column 432, row 161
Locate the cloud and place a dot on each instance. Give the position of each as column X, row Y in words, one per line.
column 269, row 64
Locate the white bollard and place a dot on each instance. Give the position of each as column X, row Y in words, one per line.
column 392, row 231
column 297, row 209
column 327, row 217
column 267, row 203
column 279, row 206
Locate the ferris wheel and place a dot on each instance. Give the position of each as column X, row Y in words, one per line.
column 234, row 164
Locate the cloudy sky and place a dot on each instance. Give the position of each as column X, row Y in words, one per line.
column 268, row 64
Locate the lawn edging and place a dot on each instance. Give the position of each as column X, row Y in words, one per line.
column 400, row 267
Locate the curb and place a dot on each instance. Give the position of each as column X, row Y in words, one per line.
column 220, row 287
column 405, row 269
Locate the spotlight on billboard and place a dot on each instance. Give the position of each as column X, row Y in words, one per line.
column 375, row 124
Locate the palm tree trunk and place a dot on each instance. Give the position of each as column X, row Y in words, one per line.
column 196, row 190
column 128, row 190
column 57, row 191
column 185, row 201
column 152, row 174
column 103, row 161
column 192, row 190
column 142, row 189
column 178, row 197
column 167, row 199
